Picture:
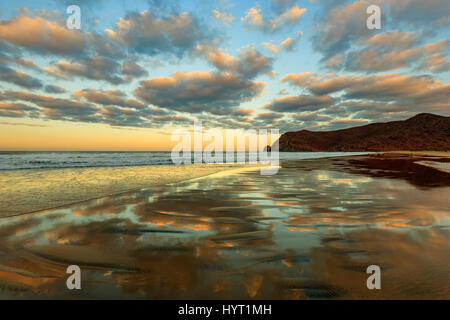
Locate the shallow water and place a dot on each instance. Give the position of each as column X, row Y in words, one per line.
column 299, row 234
column 14, row 160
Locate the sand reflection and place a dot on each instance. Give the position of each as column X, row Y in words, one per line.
column 300, row 234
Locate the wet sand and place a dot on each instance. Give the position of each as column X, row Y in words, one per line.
column 24, row 191
column 444, row 154
column 421, row 170
column 308, row 232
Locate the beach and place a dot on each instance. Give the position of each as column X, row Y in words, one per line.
column 30, row 190
column 241, row 152
column 33, row 181
column 308, row 232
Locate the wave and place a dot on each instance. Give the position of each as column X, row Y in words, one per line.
column 40, row 160
column 53, row 160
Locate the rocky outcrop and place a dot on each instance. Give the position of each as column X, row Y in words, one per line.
column 422, row 132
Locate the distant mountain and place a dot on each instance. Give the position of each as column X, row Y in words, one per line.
column 422, row 132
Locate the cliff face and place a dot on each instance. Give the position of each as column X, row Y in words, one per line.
column 422, row 132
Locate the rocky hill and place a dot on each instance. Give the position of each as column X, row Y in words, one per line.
column 422, row 132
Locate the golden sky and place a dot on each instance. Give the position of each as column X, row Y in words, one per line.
column 79, row 136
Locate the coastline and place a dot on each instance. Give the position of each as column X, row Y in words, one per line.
column 30, row 190
column 445, row 154
column 25, row 191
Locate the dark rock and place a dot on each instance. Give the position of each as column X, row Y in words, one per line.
column 422, row 132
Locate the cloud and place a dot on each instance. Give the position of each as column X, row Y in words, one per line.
column 249, row 64
column 336, row 124
column 14, row 110
column 373, row 107
column 172, row 118
column 271, row 47
column 93, row 68
column 393, row 39
column 299, row 103
column 42, row 36
column 144, row 33
column 335, row 62
column 269, row 116
column 19, row 78
column 430, row 56
column 288, row 17
column 376, row 60
column 310, row 116
column 26, row 63
column 243, row 112
column 343, row 26
column 104, row 46
column 301, row 79
column 421, row 93
column 109, row 107
column 108, row 97
column 51, row 88
column 148, row 117
column 419, row 13
column 254, row 19
column 118, row 116
column 370, row 60
column 55, row 108
column 389, row 87
column 435, row 62
column 133, row 70
column 139, row 41
column 196, row 92
column 287, row 45
column 223, row 17
column 42, row 13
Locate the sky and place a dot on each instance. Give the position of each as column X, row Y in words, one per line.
column 137, row 70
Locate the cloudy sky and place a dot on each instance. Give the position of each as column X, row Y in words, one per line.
column 139, row 69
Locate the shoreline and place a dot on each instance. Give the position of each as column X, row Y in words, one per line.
column 445, row 154
column 24, row 191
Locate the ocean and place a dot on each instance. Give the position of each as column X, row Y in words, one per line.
column 13, row 160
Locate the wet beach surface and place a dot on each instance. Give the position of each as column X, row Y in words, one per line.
column 308, row 232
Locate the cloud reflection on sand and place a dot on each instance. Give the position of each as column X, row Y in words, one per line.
column 298, row 234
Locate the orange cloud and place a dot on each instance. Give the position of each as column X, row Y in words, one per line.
column 41, row 35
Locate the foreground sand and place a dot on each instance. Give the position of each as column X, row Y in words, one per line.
column 308, row 232
column 24, row 191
